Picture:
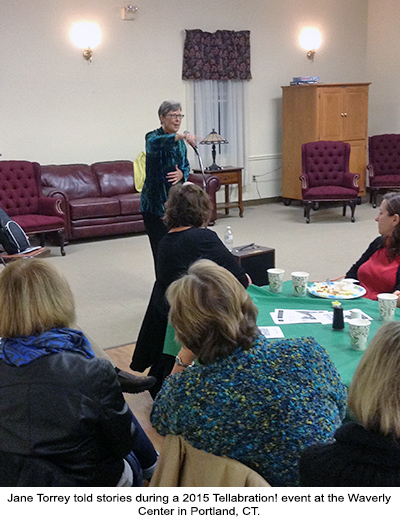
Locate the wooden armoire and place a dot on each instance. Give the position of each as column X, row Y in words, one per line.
column 323, row 112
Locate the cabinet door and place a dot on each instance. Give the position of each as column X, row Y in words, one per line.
column 358, row 162
column 355, row 110
column 330, row 114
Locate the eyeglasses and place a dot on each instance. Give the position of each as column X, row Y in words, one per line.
column 175, row 116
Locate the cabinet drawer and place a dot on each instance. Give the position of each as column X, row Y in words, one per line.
column 228, row 178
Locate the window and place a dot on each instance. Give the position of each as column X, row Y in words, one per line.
column 220, row 105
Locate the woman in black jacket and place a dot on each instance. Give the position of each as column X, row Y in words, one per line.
column 187, row 212
column 367, row 452
column 59, row 404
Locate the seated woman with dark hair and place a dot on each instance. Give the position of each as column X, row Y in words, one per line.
column 367, row 452
column 257, row 401
column 187, row 213
column 59, row 404
column 378, row 269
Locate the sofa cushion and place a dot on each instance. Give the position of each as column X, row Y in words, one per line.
column 39, row 223
column 129, row 203
column 77, row 180
column 385, row 180
column 114, row 177
column 94, row 207
column 330, row 192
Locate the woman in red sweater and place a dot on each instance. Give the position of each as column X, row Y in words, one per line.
column 378, row 269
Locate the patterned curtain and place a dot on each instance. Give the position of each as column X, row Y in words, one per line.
column 223, row 55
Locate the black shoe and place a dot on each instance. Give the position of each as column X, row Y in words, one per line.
column 132, row 384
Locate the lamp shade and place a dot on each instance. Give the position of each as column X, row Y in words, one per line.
column 85, row 35
column 213, row 138
column 310, row 38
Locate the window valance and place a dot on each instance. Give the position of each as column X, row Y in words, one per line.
column 223, row 55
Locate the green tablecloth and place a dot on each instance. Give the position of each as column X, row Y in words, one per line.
column 337, row 343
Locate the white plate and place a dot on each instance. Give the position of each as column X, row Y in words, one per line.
column 350, row 291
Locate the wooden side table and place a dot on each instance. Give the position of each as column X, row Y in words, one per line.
column 255, row 260
column 229, row 175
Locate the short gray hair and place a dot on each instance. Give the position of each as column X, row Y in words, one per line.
column 168, row 106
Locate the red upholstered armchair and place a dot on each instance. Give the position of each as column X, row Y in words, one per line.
column 326, row 176
column 384, row 164
column 21, row 198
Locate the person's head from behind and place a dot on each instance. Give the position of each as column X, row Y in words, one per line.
column 34, row 297
column 211, row 312
column 374, row 396
column 187, row 205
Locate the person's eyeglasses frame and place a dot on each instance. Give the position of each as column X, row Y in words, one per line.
column 175, row 116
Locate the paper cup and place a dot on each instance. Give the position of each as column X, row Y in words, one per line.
column 387, row 306
column 275, row 279
column 355, row 314
column 299, row 280
column 359, row 330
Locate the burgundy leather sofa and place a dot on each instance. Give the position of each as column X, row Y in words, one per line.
column 101, row 199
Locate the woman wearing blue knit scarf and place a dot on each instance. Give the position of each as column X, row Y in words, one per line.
column 63, row 418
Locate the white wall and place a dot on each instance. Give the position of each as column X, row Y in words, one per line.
column 57, row 108
column 384, row 66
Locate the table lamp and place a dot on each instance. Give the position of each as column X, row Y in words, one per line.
column 213, row 138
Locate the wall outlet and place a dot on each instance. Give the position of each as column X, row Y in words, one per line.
column 254, row 178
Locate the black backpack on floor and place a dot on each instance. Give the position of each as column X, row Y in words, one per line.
column 12, row 236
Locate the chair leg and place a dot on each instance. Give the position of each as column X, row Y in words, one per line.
column 60, row 234
column 352, row 204
column 344, row 208
column 307, row 208
column 374, row 196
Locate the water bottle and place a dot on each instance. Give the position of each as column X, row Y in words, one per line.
column 228, row 238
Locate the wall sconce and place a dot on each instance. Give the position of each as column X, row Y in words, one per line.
column 86, row 35
column 213, row 138
column 310, row 40
column 128, row 12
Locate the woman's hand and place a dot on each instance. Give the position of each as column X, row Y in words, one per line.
column 186, row 356
column 188, row 137
column 175, row 177
column 397, row 293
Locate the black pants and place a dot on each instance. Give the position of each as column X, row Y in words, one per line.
column 160, row 370
column 155, row 229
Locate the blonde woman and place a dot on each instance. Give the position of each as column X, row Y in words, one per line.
column 60, row 407
column 366, row 452
column 257, row 401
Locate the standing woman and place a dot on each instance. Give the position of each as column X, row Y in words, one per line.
column 378, row 269
column 166, row 165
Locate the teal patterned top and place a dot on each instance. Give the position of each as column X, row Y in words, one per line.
column 163, row 154
column 261, row 407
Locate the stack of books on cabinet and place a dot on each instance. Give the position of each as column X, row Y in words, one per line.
column 305, row 80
